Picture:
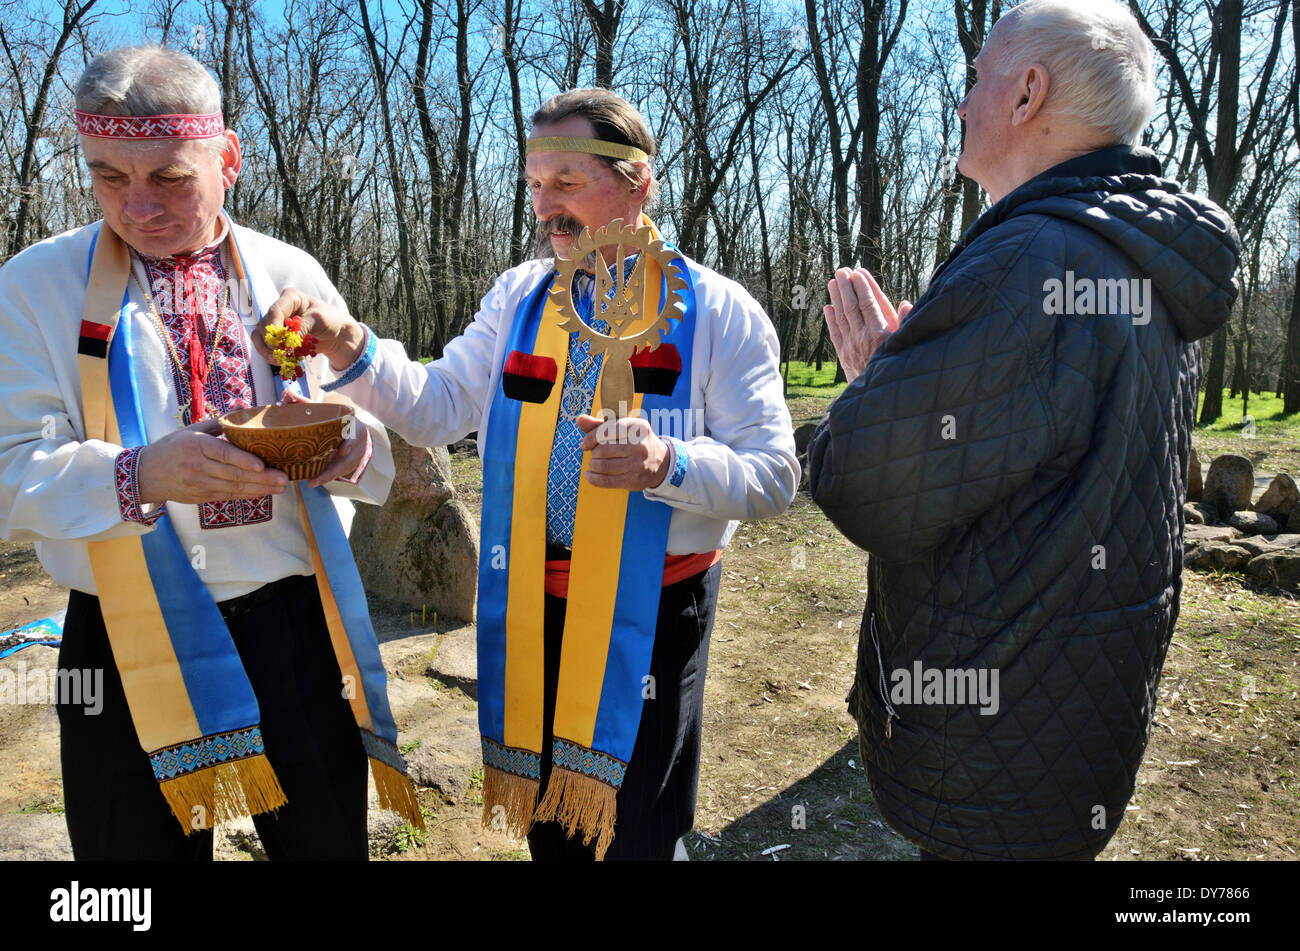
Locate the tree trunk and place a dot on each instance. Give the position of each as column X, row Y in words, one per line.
column 465, row 119
column 399, row 190
column 840, row 158
column 518, row 239
column 437, row 179
column 604, row 17
column 1222, row 174
column 291, row 205
column 229, row 47
column 1236, row 384
column 970, row 35
column 1291, row 388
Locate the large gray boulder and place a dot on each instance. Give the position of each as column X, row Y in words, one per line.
column 1228, row 484
column 1217, row 556
column 1279, row 499
column 1194, row 535
column 1259, row 544
column 420, row 546
column 1280, row 567
column 455, row 660
column 1253, row 523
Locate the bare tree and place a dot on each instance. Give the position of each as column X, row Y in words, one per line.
column 34, row 117
column 1221, row 158
column 382, row 74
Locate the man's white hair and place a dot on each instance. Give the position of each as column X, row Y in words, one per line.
column 149, row 81
column 1100, row 62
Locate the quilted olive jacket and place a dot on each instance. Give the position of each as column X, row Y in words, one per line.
column 1014, row 462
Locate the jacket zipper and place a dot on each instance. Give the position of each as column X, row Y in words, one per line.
column 884, row 693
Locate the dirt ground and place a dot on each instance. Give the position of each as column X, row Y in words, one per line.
column 780, row 780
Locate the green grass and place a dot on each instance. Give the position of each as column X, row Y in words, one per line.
column 807, row 375
column 40, row 808
column 1270, row 422
column 809, row 391
column 409, row 837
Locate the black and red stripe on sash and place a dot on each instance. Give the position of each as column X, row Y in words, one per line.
column 527, row 377
column 93, row 341
column 656, row 371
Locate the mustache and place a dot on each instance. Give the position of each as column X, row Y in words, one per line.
column 562, row 224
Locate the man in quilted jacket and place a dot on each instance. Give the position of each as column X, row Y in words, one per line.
column 1012, row 452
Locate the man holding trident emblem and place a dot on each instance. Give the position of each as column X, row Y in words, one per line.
column 600, row 540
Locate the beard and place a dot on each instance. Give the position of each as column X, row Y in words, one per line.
column 542, row 247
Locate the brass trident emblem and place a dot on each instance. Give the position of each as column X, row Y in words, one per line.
column 621, row 309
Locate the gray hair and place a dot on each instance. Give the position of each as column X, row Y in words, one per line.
column 1100, row 62
column 149, row 81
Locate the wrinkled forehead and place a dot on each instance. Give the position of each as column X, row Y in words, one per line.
column 145, row 155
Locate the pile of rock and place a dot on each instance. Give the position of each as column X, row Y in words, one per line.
column 1226, row 531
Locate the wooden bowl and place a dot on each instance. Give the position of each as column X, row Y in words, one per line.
column 296, row 438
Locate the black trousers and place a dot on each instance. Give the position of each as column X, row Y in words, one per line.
column 113, row 805
column 656, row 803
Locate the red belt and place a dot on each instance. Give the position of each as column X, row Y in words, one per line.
column 676, row 568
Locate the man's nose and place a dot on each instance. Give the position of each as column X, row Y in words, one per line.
column 961, row 108
column 142, row 203
column 545, row 205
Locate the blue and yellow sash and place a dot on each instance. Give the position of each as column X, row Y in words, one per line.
column 615, row 577
column 192, row 705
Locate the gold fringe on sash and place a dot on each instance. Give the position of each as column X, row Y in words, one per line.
column 515, row 795
column 221, row 793
column 580, row 802
column 396, row 793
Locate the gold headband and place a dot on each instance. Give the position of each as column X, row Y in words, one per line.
column 555, row 143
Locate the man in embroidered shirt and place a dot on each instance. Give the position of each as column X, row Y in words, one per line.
column 160, row 160
column 591, row 726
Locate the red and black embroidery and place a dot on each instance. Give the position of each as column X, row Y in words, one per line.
column 235, row 512
column 186, row 290
column 126, row 473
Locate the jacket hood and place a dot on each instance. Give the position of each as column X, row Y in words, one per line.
column 1184, row 243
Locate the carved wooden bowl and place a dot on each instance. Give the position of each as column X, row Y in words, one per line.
column 296, row 438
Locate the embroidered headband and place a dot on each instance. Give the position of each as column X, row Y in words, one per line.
column 555, row 143
column 178, row 126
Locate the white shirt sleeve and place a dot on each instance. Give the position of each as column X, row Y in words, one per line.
column 377, row 476
column 744, row 465
column 438, row 403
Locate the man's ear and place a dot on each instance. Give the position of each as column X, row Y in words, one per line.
column 1031, row 94
column 232, row 159
column 643, row 189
